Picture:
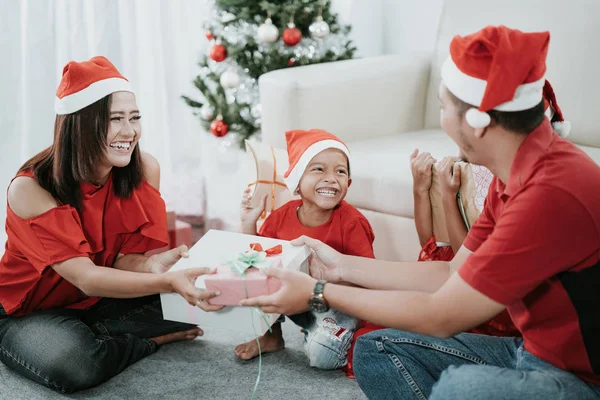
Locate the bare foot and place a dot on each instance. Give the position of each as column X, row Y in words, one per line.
column 190, row 334
column 269, row 343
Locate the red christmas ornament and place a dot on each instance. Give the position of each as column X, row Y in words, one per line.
column 209, row 35
column 219, row 128
column 218, row 52
column 291, row 35
column 291, row 62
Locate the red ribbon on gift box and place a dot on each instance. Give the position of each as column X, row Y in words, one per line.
column 272, row 251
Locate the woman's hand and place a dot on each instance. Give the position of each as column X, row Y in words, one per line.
column 449, row 176
column 183, row 283
column 420, row 166
column 249, row 215
column 293, row 296
column 324, row 263
column 162, row 262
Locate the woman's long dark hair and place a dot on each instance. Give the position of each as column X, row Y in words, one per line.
column 79, row 148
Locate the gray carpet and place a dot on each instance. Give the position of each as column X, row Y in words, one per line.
column 207, row 369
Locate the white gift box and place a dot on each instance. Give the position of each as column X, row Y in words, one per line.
column 216, row 248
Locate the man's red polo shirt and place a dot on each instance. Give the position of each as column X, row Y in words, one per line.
column 537, row 250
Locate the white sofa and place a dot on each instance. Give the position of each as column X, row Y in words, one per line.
column 384, row 107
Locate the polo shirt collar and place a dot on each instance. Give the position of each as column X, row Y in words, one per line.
column 533, row 147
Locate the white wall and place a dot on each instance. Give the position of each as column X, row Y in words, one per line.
column 391, row 26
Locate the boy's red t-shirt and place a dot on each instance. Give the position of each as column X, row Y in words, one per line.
column 347, row 231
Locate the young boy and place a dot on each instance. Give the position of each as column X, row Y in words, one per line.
column 450, row 180
column 319, row 172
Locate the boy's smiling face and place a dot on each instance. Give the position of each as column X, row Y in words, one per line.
column 326, row 179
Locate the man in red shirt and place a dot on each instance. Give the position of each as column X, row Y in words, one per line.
column 535, row 251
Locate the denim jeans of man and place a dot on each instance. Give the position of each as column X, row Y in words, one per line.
column 70, row 350
column 391, row 364
column 327, row 337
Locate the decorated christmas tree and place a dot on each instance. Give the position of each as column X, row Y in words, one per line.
column 249, row 38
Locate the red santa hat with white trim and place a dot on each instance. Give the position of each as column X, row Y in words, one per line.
column 498, row 68
column 84, row 83
column 302, row 147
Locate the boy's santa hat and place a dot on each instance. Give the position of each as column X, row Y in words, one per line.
column 497, row 68
column 302, row 147
column 84, row 83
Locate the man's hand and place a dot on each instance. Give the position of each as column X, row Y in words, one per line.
column 293, row 296
column 325, row 263
column 449, row 176
column 420, row 166
column 162, row 262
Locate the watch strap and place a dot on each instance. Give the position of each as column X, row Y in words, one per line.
column 320, row 287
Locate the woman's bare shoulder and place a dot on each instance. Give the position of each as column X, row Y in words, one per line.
column 151, row 169
column 27, row 199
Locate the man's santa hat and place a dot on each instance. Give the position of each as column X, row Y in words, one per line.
column 498, row 68
column 302, row 147
column 84, row 83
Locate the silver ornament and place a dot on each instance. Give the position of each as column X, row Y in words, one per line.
column 207, row 112
column 230, row 79
column 267, row 32
column 318, row 29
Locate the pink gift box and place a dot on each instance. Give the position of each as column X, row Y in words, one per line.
column 232, row 287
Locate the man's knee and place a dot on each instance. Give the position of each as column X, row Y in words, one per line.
column 466, row 381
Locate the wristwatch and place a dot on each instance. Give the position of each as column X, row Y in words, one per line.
column 317, row 302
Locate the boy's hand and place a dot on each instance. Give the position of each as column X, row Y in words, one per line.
column 449, row 176
column 420, row 166
column 250, row 215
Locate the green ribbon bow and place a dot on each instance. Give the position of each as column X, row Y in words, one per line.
column 247, row 259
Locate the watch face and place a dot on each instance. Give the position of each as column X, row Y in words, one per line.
column 317, row 304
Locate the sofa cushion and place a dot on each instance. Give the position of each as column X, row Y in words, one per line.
column 380, row 170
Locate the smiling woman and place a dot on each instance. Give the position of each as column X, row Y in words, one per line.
column 80, row 217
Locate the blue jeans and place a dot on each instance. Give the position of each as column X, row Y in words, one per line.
column 70, row 350
column 327, row 337
column 392, row 364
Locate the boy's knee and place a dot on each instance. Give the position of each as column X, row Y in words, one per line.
column 324, row 357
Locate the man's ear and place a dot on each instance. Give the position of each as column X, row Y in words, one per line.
column 349, row 182
column 479, row 132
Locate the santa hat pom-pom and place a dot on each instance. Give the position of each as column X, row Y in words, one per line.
column 563, row 128
column 477, row 119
